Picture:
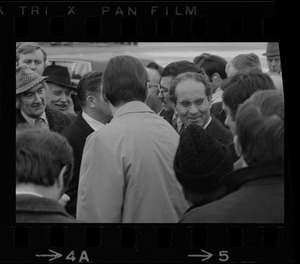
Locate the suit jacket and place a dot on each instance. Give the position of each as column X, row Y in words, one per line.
column 218, row 112
column 57, row 120
column 34, row 209
column 218, row 131
column 167, row 115
column 76, row 134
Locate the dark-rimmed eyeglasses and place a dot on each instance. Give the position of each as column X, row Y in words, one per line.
column 185, row 104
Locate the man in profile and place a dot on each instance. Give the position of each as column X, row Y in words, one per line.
column 154, row 71
column 94, row 115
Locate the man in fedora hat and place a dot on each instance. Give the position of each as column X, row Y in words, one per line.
column 59, row 91
column 31, row 102
column 273, row 58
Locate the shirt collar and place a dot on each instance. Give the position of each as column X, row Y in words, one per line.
column 32, row 120
column 93, row 123
column 207, row 123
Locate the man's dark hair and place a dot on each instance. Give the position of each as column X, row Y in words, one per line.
column 175, row 68
column 90, row 83
column 214, row 64
column 124, row 79
column 153, row 65
column 242, row 85
column 40, row 156
column 260, row 128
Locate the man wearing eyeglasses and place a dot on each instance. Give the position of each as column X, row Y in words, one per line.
column 191, row 95
column 168, row 74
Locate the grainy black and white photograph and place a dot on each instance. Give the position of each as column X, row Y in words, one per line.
column 149, row 132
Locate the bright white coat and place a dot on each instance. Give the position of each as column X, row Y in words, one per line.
column 127, row 174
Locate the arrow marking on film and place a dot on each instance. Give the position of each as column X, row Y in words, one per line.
column 55, row 256
column 206, row 256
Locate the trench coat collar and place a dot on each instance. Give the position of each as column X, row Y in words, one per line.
column 132, row 107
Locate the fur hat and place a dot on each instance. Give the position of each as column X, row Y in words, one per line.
column 26, row 79
column 272, row 49
column 201, row 160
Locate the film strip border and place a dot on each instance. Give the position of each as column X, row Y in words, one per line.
column 143, row 20
column 145, row 243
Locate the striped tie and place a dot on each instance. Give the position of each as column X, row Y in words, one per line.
column 40, row 122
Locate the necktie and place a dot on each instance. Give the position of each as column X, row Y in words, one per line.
column 174, row 123
column 40, row 122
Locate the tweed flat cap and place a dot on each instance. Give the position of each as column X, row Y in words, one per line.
column 26, row 79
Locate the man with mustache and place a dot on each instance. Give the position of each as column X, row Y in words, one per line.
column 31, row 105
column 59, row 91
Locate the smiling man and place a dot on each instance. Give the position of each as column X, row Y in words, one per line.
column 191, row 95
column 59, row 91
column 31, row 105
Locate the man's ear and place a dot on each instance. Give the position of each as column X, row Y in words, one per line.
column 90, row 101
column 237, row 145
column 216, row 77
column 174, row 107
column 60, row 179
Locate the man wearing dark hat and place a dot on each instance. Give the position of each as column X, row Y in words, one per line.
column 273, row 57
column 31, row 102
column 199, row 164
column 59, row 91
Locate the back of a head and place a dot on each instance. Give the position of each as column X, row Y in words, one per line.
column 175, row 68
column 214, row 64
column 260, row 128
column 124, row 79
column 90, row 83
column 29, row 47
column 242, row 85
column 246, row 61
column 40, row 156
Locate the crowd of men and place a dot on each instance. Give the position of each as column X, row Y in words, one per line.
column 191, row 142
